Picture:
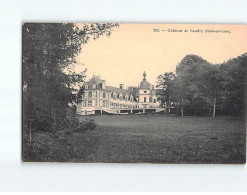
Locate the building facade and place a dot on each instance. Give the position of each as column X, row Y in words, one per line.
column 99, row 98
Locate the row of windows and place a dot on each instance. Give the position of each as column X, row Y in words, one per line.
column 150, row 99
column 116, row 105
column 106, row 103
column 96, row 103
column 127, row 98
column 86, row 86
column 114, row 96
column 107, row 95
column 97, row 94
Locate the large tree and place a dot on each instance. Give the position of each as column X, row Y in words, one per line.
column 206, row 89
column 235, row 70
column 48, row 54
column 189, row 72
column 166, row 89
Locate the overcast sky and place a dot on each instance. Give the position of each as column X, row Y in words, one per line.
column 133, row 48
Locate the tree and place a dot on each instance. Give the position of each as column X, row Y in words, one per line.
column 235, row 71
column 166, row 91
column 195, row 89
column 187, row 88
column 49, row 53
column 206, row 89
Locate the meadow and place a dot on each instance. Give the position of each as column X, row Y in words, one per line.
column 145, row 139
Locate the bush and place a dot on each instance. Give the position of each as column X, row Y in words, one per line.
column 73, row 124
column 87, row 124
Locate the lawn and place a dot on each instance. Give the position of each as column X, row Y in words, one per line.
column 146, row 139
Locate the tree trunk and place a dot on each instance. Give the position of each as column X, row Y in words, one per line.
column 167, row 110
column 30, row 133
column 214, row 107
column 54, row 123
column 54, row 119
column 182, row 108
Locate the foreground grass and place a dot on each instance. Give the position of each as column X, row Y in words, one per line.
column 145, row 139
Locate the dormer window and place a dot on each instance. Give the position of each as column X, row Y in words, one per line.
column 94, row 86
column 86, row 86
column 145, row 91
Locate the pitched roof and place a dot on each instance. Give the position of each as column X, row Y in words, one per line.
column 117, row 90
column 95, row 80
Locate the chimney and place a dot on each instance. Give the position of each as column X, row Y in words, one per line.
column 103, row 84
column 121, row 86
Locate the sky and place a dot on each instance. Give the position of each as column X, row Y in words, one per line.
column 133, row 48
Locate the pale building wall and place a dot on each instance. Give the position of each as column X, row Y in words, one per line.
column 144, row 93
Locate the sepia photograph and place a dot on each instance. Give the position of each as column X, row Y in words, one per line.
column 134, row 93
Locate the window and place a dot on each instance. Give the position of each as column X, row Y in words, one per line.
column 145, row 91
column 145, row 99
column 150, row 99
column 94, row 86
column 103, row 94
column 86, row 86
column 90, row 93
column 154, row 100
column 103, row 103
column 89, row 102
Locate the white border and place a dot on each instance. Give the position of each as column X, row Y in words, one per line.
column 15, row 176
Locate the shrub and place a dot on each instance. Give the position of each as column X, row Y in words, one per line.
column 73, row 124
column 87, row 124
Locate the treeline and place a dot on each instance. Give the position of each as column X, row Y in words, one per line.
column 205, row 89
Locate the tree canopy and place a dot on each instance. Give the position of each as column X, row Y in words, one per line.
column 48, row 54
column 202, row 88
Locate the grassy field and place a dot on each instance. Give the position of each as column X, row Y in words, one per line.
column 146, row 139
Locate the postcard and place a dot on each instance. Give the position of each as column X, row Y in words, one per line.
column 134, row 93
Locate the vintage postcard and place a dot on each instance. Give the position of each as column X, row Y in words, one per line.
column 134, row 93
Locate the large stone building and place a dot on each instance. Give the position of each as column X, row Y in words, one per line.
column 98, row 98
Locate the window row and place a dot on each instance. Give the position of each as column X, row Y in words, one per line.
column 97, row 94
column 95, row 103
